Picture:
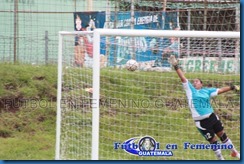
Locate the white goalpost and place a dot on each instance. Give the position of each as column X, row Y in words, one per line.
column 101, row 105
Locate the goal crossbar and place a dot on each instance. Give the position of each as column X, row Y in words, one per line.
column 158, row 33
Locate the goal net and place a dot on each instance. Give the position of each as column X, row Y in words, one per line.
column 107, row 112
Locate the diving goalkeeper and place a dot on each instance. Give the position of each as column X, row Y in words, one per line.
column 207, row 122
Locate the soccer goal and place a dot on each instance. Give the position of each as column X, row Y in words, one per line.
column 107, row 112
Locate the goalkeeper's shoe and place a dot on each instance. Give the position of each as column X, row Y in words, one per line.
column 235, row 154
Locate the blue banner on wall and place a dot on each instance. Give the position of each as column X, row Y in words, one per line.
column 124, row 48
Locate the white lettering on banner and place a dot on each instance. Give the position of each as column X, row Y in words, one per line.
column 138, row 21
column 210, row 64
column 147, row 19
column 144, row 20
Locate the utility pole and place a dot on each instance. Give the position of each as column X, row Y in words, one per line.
column 90, row 5
column 15, row 29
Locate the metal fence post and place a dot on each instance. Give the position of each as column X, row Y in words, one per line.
column 46, row 47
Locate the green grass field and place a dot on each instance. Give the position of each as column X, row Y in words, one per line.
column 27, row 129
column 28, row 112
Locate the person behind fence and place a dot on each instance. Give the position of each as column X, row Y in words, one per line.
column 79, row 50
column 207, row 122
column 172, row 49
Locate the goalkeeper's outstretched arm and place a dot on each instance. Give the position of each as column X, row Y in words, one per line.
column 180, row 73
column 229, row 88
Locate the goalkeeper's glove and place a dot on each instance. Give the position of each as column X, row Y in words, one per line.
column 235, row 87
column 173, row 62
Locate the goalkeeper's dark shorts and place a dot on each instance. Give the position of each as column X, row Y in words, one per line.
column 210, row 126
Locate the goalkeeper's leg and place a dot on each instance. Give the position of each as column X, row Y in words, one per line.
column 210, row 136
column 217, row 152
column 225, row 140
